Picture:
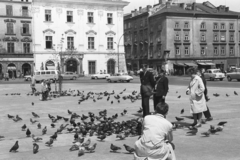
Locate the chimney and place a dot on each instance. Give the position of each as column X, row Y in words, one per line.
column 149, row 7
column 162, row 1
column 140, row 9
column 194, row 6
column 182, row 5
column 132, row 12
column 168, row 4
column 227, row 9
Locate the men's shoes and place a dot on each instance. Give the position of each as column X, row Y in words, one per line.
column 209, row 119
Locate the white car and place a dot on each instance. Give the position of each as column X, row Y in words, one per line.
column 100, row 76
column 28, row 78
column 69, row 75
column 120, row 77
column 213, row 74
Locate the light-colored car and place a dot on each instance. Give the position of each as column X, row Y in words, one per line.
column 100, row 76
column 69, row 75
column 213, row 74
column 46, row 74
column 234, row 74
column 28, row 78
column 120, row 77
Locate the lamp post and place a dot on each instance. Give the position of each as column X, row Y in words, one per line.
column 118, row 49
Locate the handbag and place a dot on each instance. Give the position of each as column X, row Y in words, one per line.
column 147, row 90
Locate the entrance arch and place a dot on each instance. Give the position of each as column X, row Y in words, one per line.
column 111, row 66
column 12, row 70
column 71, row 65
column 50, row 65
column 26, row 69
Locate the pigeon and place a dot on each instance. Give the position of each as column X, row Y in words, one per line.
column 10, row 116
column 219, row 128
column 39, row 126
column 91, row 148
column 33, row 121
column 101, row 137
column 76, row 136
column 81, row 151
column 114, row 148
column 235, row 93
column 74, row 148
column 124, row 111
column 121, row 136
column 28, row 132
column 192, row 132
column 14, row 147
column 227, row 95
column 128, row 148
column 69, row 129
column 35, row 148
column 54, row 136
column 212, row 129
column 32, row 104
column 179, row 119
column 18, row 118
column 222, row 123
column 87, row 143
column 35, row 115
column 36, row 139
column 24, row 127
column 182, row 111
column 1, row 137
column 179, row 96
column 49, row 143
column 44, row 131
column 111, row 102
column 216, row 95
column 206, row 134
column 65, row 119
column 140, row 110
column 53, row 125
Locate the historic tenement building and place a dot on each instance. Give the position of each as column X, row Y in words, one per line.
column 78, row 35
column 193, row 34
column 16, row 55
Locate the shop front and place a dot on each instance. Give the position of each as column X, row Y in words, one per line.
column 205, row 64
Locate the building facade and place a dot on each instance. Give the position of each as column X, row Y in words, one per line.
column 193, row 35
column 79, row 36
column 16, row 55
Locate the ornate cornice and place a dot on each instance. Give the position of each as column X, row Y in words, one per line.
column 26, row 39
column 70, row 31
column 10, row 39
column 49, row 30
column 110, row 32
column 91, row 32
column 10, row 21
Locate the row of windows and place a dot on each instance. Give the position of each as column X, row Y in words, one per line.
column 69, row 17
column 24, row 28
column 203, row 50
column 216, row 26
column 70, row 42
column 11, row 47
column 9, row 11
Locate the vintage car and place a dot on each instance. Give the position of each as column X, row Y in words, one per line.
column 234, row 74
column 100, row 76
column 212, row 74
column 28, row 78
column 120, row 77
column 69, row 75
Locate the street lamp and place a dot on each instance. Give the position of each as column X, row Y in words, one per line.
column 118, row 49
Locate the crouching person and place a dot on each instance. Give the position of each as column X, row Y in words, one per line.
column 156, row 140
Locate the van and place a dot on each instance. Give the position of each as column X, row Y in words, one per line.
column 46, row 74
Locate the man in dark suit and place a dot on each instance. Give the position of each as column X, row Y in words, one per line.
column 161, row 89
column 147, row 79
column 207, row 113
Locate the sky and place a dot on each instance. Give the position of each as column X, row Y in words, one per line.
column 233, row 5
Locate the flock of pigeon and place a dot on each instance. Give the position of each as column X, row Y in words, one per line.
column 83, row 127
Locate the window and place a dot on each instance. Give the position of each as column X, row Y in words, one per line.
column 203, row 52
column 26, row 47
column 48, row 72
column 215, row 50
column 25, row 11
column 151, row 51
column 231, row 50
column 25, row 28
column 110, row 43
column 177, row 50
column 90, row 42
column 70, row 42
column 222, row 26
column 49, row 42
column 92, row 67
column 231, row 27
column 9, row 11
column 10, row 28
column 110, row 18
column 10, row 47
column 203, row 25
column 177, row 25
column 203, row 37
column 90, row 17
column 232, row 38
column 215, row 26
column 159, row 50
column 48, row 15
column 186, row 50
column 177, row 37
column 43, row 72
column 186, row 25
column 223, row 38
column 69, row 16
column 222, row 50
column 215, row 37
column 186, row 37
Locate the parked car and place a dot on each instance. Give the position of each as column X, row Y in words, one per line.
column 69, row 75
column 28, row 78
column 120, row 77
column 213, row 74
column 234, row 74
column 100, row 76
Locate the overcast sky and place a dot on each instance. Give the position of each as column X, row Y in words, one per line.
column 234, row 5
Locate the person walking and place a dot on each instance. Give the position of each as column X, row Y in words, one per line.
column 161, row 88
column 44, row 89
column 206, row 113
column 146, row 88
column 196, row 96
column 32, row 85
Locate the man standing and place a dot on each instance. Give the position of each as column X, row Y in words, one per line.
column 161, row 89
column 146, row 89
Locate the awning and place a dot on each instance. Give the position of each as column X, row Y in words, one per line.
column 203, row 64
column 191, row 64
column 210, row 64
